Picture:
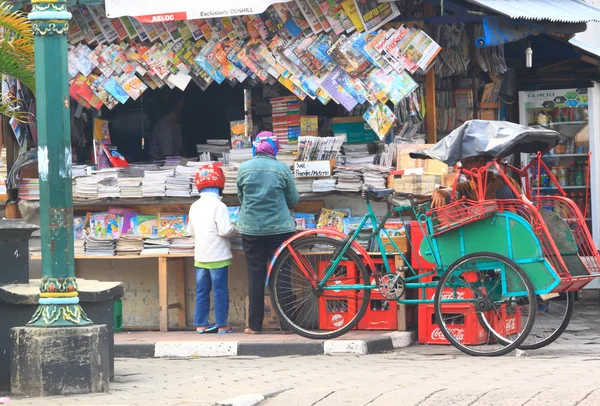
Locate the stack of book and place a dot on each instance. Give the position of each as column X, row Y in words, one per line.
column 304, row 185
column 237, row 156
column 323, row 185
column 79, row 246
column 155, row 246
column 286, row 112
column 109, row 188
column 178, row 186
column 182, row 245
column 230, row 172
column 357, row 154
column 349, row 178
column 86, row 188
column 376, row 176
column 96, row 246
column 129, row 245
column 212, row 150
column 154, row 182
column 130, row 184
column 172, row 161
column 29, row 189
column 79, row 171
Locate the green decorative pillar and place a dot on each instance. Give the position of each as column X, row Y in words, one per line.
column 59, row 301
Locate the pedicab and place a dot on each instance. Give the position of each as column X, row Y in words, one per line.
column 494, row 265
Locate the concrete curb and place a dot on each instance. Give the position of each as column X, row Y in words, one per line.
column 197, row 349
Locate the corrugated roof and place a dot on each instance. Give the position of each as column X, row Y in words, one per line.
column 565, row 11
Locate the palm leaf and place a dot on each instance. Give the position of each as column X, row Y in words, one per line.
column 15, row 23
column 12, row 66
column 16, row 46
column 9, row 110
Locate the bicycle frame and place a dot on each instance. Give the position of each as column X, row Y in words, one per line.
column 411, row 282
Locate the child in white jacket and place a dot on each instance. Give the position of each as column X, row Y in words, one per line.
column 209, row 224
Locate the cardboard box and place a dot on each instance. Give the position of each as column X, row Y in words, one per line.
column 271, row 321
column 356, row 130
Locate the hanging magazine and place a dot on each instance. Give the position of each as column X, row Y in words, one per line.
column 374, row 14
column 380, row 118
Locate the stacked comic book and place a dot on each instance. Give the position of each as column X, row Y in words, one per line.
column 230, row 172
column 182, row 245
column 154, row 182
column 129, row 245
column 213, row 149
column 376, row 176
column 155, row 246
column 109, row 188
column 238, row 156
column 99, row 246
column 349, row 178
column 304, row 185
column 79, row 171
column 178, row 186
column 323, row 185
column 357, row 154
column 131, row 184
column 86, row 188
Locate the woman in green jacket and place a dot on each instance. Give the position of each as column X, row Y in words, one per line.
column 266, row 190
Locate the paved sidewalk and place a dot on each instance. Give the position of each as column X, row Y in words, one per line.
column 565, row 373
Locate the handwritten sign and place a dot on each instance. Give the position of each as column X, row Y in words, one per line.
column 312, row 169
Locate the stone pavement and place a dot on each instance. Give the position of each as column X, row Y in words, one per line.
column 565, row 373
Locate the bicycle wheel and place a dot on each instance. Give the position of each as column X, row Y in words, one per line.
column 308, row 308
column 551, row 320
column 482, row 304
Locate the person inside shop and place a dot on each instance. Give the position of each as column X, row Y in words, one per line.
column 496, row 187
column 266, row 191
column 211, row 228
column 165, row 139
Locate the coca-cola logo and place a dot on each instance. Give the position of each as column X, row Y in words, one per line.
column 337, row 320
column 457, row 333
column 511, row 324
column 448, row 294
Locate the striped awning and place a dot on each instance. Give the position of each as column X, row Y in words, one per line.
column 565, row 11
column 154, row 11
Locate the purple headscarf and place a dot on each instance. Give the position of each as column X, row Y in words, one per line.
column 266, row 143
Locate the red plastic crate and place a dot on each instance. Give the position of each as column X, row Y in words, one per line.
column 430, row 333
column 416, row 236
column 509, row 321
column 381, row 314
column 461, row 293
column 335, row 312
column 345, row 274
column 337, row 307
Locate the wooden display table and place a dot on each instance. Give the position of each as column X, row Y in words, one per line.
column 163, row 284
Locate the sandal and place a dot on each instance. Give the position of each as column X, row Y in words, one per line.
column 250, row 331
column 228, row 330
column 210, row 329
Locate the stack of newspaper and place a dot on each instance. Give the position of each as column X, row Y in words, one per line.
column 319, row 148
column 155, row 246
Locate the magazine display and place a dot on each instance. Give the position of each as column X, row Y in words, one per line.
column 321, row 49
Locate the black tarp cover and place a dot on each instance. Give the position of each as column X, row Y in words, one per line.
column 493, row 138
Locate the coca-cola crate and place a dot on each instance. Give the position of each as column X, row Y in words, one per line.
column 468, row 326
column 448, row 293
column 381, row 314
column 345, row 274
column 416, row 236
column 507, row 321
column 335, row 312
